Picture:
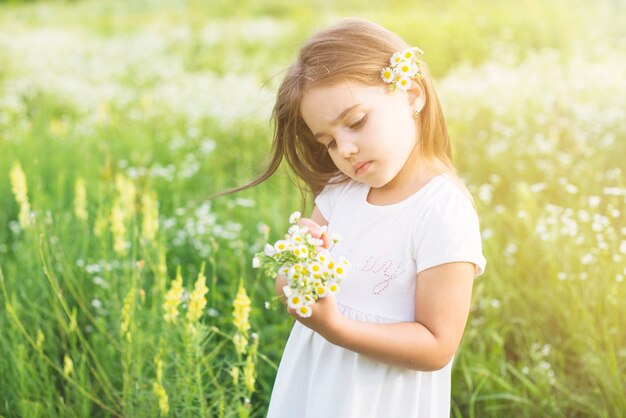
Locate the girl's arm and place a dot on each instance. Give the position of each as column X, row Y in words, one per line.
column 442, row 300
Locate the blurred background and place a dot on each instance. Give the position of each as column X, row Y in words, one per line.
column 126, row 292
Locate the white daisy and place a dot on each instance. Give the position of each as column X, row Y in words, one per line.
column 281, row 245
column 387, row 74
column 295, row 300
column 284, row 270
column 297, row 238
column 323, row 256
column 304, row 311
column 334, row 287
column 339, row 271
column 269, row 250
column 403, row 83
column 295, row 217
column 301, row 251
column 321, row 290
column 408, row 54
column 317, row 269
column 406, row 68
column 395, row 59
column 294, row 274
column 293, row 229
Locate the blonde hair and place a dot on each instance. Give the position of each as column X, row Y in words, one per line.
column 351, row 50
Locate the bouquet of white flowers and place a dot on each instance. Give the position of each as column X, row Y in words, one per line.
column 306, row 262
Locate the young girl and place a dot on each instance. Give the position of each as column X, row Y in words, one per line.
column 358, row 120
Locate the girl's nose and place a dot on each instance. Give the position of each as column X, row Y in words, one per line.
column 346, row 148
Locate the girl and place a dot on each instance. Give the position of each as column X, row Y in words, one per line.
column 358, row 120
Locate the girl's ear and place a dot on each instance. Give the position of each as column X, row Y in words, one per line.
column 417, row 96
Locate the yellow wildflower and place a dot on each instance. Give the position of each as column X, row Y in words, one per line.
column 118, row 229
column 127, row 194
column 150, row 224
column 234, row 372
column 173, row 298
column 126, row 315
column 159, row 390
column 73, row 322
column 20, row 190
column 68, row 366
column 242, row 310
column 197, row 301
column 40, row 339
column 80, row 199
column 101, row 223
column 241, row 342
column 249, row 372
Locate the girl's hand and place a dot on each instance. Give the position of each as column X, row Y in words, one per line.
column 325, row 319
column 317, row 231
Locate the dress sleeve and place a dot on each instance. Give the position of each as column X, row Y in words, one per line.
column 327, row 198
column 449, row 232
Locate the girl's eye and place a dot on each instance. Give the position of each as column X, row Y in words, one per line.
column 358, row 124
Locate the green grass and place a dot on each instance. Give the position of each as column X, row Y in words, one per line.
column 175, row 97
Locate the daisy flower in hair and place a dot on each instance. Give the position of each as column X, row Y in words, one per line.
column 396, row 59
column 403, row 83
column 387, row 74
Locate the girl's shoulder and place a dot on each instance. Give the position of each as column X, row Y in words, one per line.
column 340, row 185
column 452, row 187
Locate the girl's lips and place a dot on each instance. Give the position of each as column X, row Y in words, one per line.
column 363, row 168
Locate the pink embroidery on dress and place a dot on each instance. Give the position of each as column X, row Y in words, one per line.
column 389, row 276
column 384, row 266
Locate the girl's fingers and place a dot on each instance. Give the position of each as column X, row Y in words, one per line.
column 314, row 228
column 327, row 241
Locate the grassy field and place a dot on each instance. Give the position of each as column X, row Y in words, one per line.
column 118, row 119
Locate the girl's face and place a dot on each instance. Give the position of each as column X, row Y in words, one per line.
column 369, row 131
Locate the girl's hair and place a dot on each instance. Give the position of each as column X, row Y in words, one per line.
column 351, row 50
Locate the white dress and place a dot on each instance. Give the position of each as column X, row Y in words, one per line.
column 387, row 246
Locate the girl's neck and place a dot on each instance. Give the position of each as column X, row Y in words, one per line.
column 402, row 187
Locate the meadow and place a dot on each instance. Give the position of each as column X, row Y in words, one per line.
column 126, row 291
